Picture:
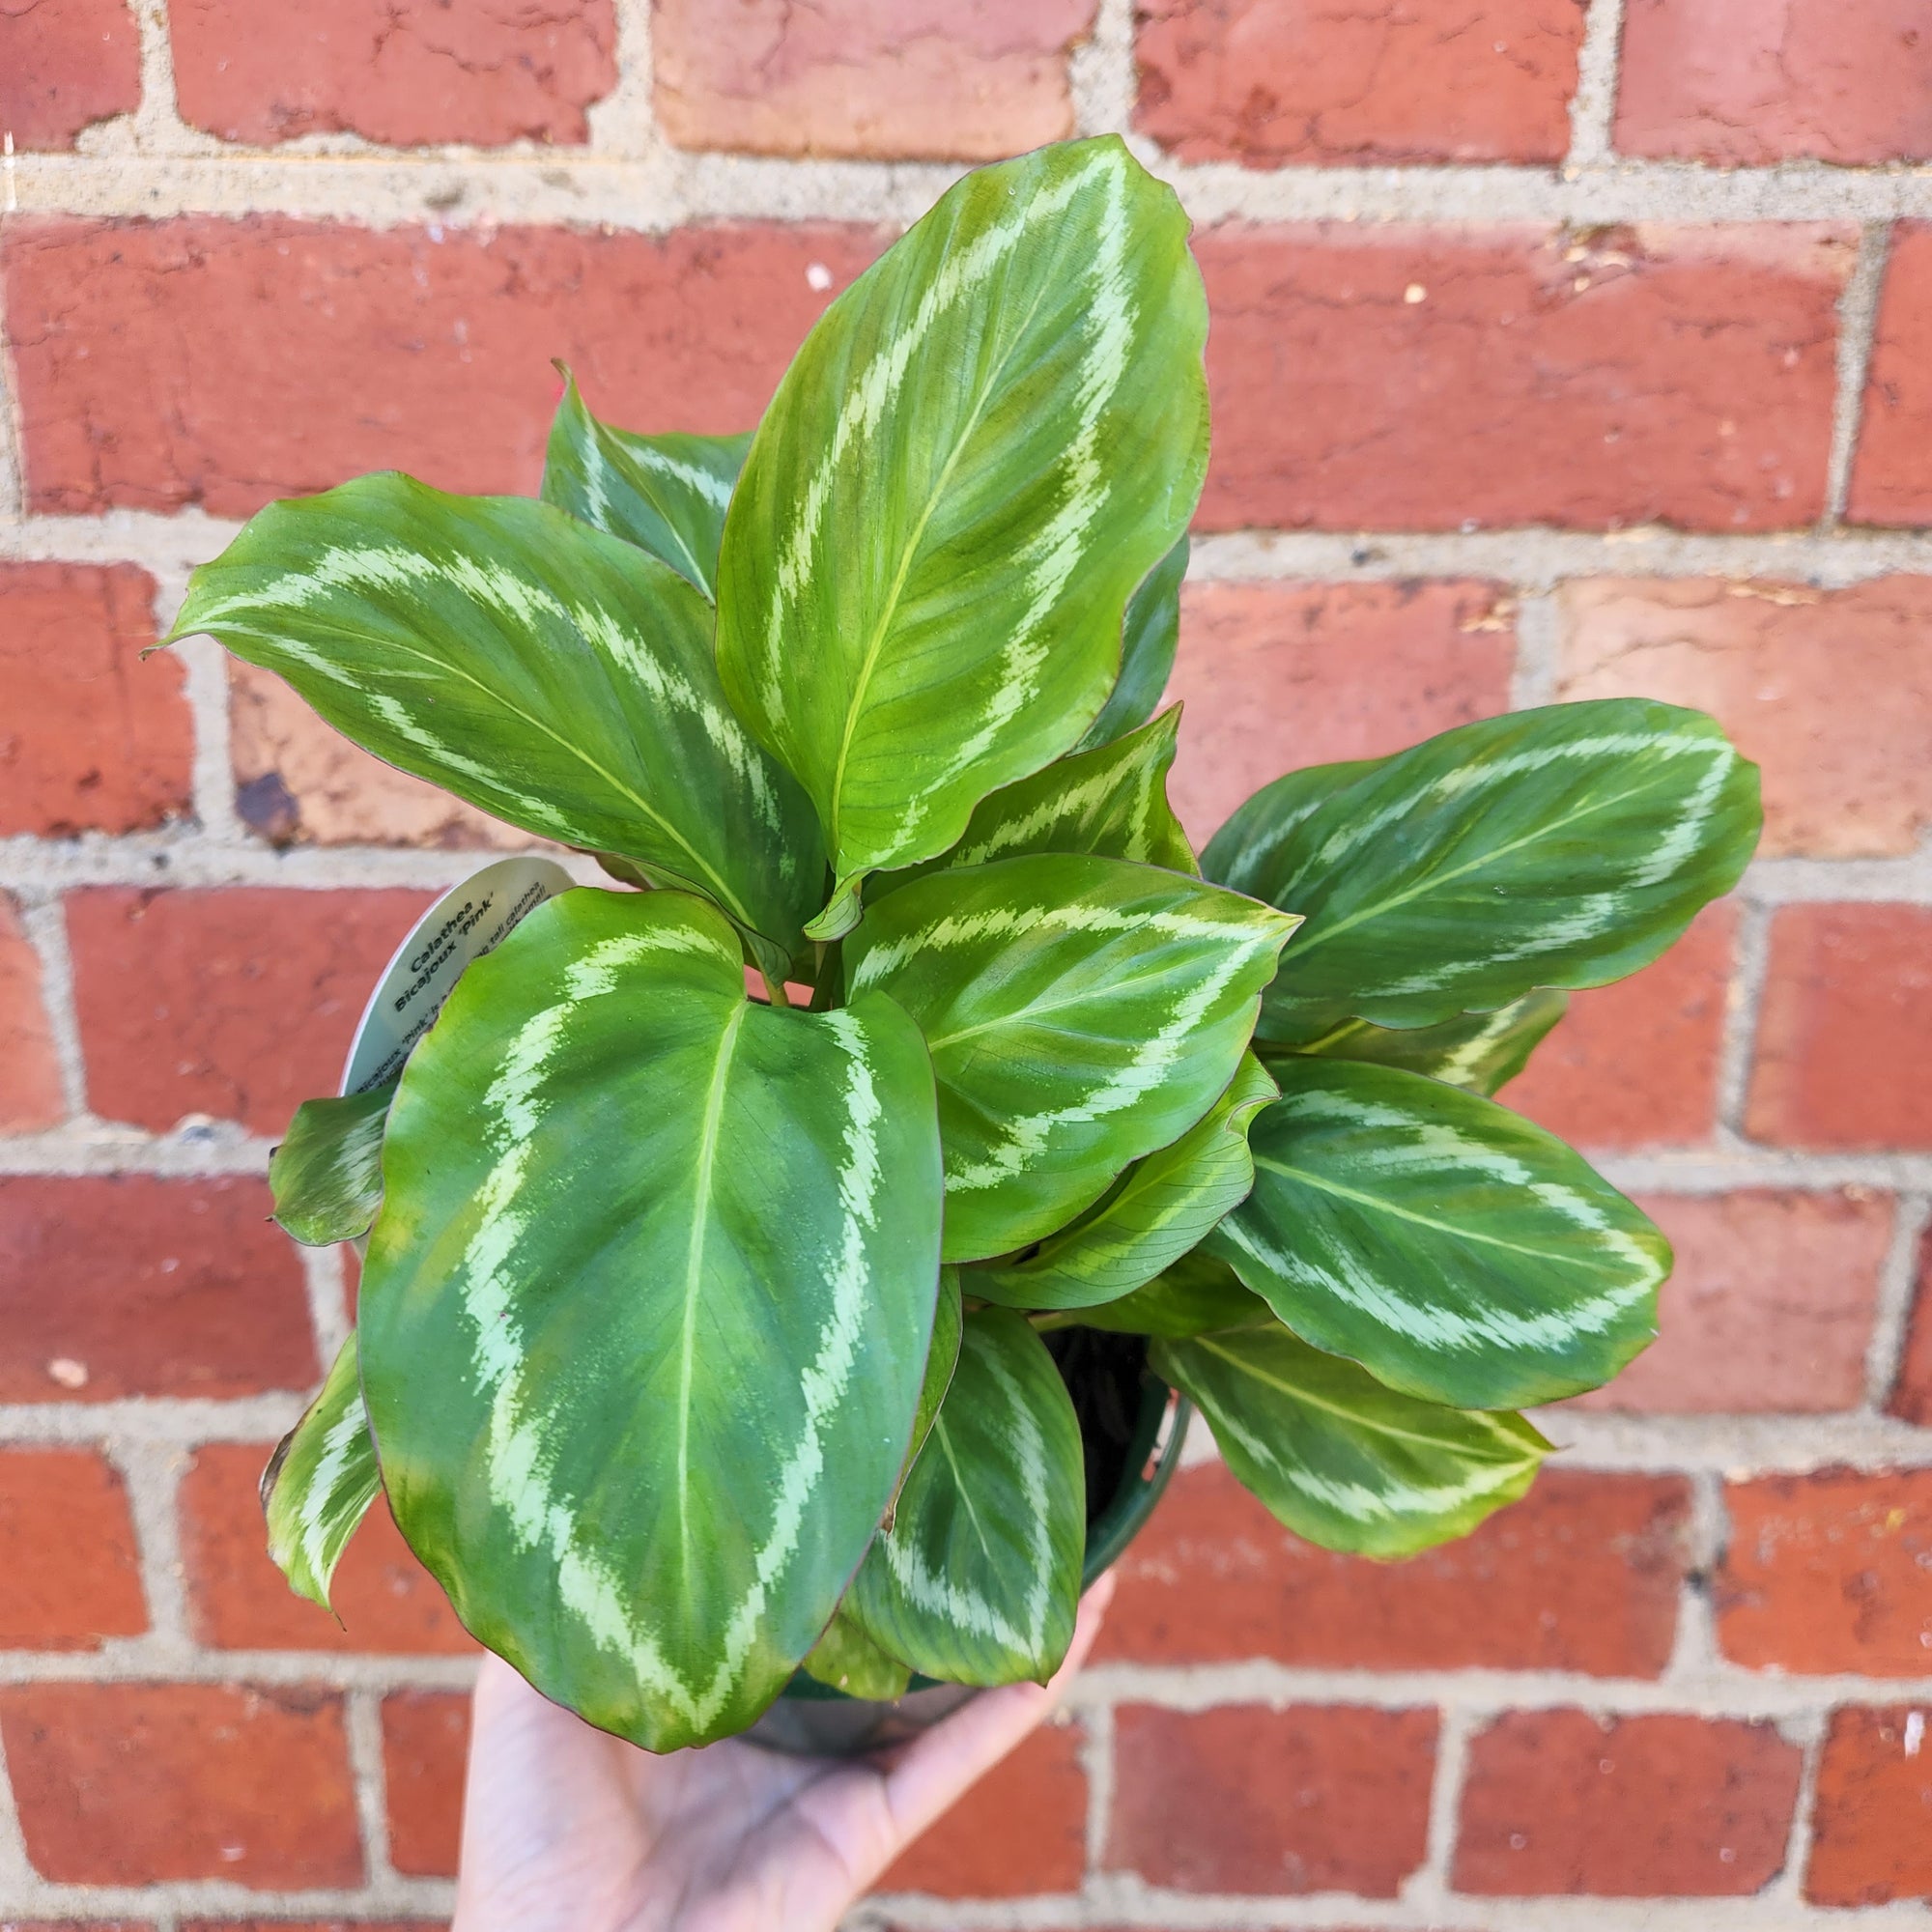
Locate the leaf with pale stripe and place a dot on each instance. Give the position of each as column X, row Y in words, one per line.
column 665, row 493
column 1246, row 854
column 1148, row 642
column 942, row 1357
column 1081, row 1012
column 847, row 1660
column 1563, row 847
column 321, row 1481
column 1478, row 1051
column 325, row 1177
column 1456, row 1251
column 1195, row 1296
column 984, row 445
column 979, row 1578
column 1337, row 1458
column 558, row 677
column 1150, row 1219
column 647, row 1313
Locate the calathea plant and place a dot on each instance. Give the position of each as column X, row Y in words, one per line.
column 704, row 1333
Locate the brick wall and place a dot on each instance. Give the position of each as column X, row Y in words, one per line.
column 1559, row 349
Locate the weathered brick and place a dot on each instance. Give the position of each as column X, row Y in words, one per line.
column 1830, row 1573
column 1844, row 1047
column 1583, row 1574
column 1891, row 478
column 202, row 361
column 1749, row 82
column 1408, row 378
column 30, row 1076
column 1770, row 1307
column 131, row 1285
column 63, row 67
column 1560, row 1801
column 70, row 1571
column 91, row 739
column 404, row 72
column 1279, row 675
column 1828, row 691
column 384, row 1599
column 1911, row 1398
column 138, row 1783
column 1266, row 82
column 1022, row 1829
column 1636, row 1064
column 909, row 79
column 425, row 1743
column 1871, row 1827
column 1241, row 1799
column 237, row 1001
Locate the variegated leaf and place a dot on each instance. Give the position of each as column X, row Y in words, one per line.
column 1337, row 1458
column 847, row 1660
column 665, row 493
column 1150, row 1219
column 1247, row 854
column 554, row 675
column 1456, row 1251
column 1478, row 1051
column 326, row 1176
column 321, row 1481
column 1562, row 847
column 1196, row 1295
column 648, row 1310
column 1148, row 642
column 979, row 1578
column 942, row 1357
column 1081, row 1012
column 983, row 446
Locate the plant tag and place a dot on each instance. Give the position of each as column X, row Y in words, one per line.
column 462, row 925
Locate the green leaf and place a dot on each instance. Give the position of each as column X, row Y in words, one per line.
column 1196, row 1295
column 665, row 493
column 1341, row 1460
column 1456, row 1251
column 1246, row 854
column 648, row 1310
column 847, row 1660
column 550, row 674
column 941, row 1359
column 1563, row 847
column 1150, row 1219
column 326, row 1175
column 1081, row 1012
column 979, row 1578
column 1478, row 1051
column 983, row 446
column 319, row 1482
column 1147, row 642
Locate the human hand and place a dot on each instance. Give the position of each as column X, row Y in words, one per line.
column 568, row 1830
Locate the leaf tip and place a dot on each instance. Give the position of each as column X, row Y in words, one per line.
column 839, row 915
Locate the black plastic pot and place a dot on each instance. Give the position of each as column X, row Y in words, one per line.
column 1125, row 1480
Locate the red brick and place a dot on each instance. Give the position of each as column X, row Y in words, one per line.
column 93, row 739
column 384, row 1599
column 909, row 79
column 1830, row 1573
column 1559, row 1801
column 1278, row 675
column 203, row 361
column 1770, row 1307
column 1891, row 478
column 1409, row 377
column 1745, row 83
column 1636, row 1064
column 1265, row 82
column 1911, row 1398
column 63, row 67
column 1828, row 691
column 237, row 1003
column 128, row 1284
column 1844, row 1047
column 1583, row 1574
column 70, row 1571
column 30, row 1076
column 138, row 1783
column 425, row 1744
column 1021, row 1829
column 1871, row 1829
column 404, row 72
column 1317, row 1798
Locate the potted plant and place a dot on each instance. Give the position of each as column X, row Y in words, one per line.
column 776, row 1276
